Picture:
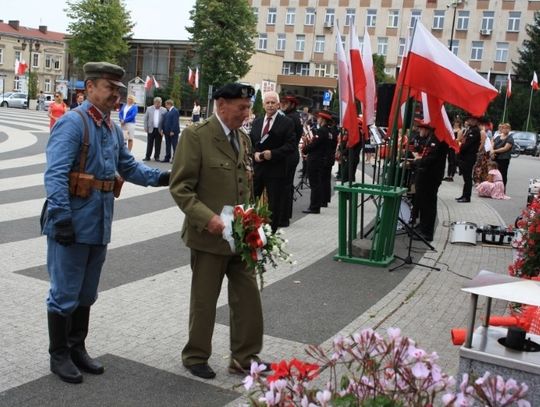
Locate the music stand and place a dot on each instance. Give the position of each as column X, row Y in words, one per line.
column 408, row 259
column 301, row 184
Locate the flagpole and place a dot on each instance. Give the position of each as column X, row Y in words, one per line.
column 504, row 110
column 529, row 113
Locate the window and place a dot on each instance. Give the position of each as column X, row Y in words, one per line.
column 302, row 69
column 393, row 18
column 350, row 17
column 329, row 17
column 57, row 64
column 319, row 43
column 255, row 11
column 462, row 20
column 300, row 42
column 342, row 43
column 322, row 70
column 415, row 16
column 371, row 18
column 513, row 21
column 47, row 86
column 477, row 50
column 501, row 52
column 263, row 42
column 18, row 55
column 438, row 19
column 487, row 20
column 1, row 56
column 310, row 16
column 17, row 83
column 281, row 42
column 272, row 15
column 454, row 46
column 290, row 16
column 382, row 45
column 35, row 60
column 48, row 62
column 287, row 68
column 401, row 49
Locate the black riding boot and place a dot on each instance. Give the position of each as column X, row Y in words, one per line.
column 61, row 363
column 76, row 337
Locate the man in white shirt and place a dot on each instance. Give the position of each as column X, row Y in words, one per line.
column 153, row 122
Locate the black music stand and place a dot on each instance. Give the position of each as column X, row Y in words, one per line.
column 301, row 184
column 408, row 259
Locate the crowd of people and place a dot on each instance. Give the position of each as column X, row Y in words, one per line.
column 215, row 162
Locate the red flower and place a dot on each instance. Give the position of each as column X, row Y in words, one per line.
column 254, row 240
column 281, row 370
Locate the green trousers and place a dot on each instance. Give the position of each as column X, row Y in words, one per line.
column 246, row 319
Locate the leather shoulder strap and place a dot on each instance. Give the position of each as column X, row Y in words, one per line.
column 85, row 144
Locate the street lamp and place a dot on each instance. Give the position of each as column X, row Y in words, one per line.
column 36, row 46
column 454, row 4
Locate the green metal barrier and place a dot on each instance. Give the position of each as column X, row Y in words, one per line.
column 384, row 232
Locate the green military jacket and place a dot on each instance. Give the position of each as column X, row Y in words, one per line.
column 206, row 175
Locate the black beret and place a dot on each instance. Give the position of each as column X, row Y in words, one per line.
column 234, row 91
column 104, row 70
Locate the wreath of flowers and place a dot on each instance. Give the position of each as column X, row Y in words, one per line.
column 527, row 244
column 254, row 240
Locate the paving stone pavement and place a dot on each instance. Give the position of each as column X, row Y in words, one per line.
column 139, row 323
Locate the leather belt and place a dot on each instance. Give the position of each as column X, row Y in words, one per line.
column 103, row 185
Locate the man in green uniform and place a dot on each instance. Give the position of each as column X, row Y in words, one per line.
column 213, row 168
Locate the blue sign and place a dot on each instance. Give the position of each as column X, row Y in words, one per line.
column 327, row 97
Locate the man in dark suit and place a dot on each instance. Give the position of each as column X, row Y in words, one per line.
column 78, row 101
column 288, row 106
column 273, row 139
column 213, row 168
column 467, row 157
column 171, row 129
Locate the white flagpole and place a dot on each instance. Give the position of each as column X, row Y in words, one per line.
column 504, row 110
column 529, row 113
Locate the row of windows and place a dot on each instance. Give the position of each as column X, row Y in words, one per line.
column 477, row 47
column 462, row 18
column 47, row 85
column 51, row 61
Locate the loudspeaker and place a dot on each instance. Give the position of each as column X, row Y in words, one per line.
column 385, row 94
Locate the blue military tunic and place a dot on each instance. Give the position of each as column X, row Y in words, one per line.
column 75, row 270
column 92, row 217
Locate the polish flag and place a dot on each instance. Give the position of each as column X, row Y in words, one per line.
column 371, row 88
column 196, row 79
column 20, row 67
column 357, row 78
column 148, row 83
column 509, row 86
column 434, row 69
column 156, row 83
column 347, row 111
column 191, row 77
column 435, row 115
column 534, row 82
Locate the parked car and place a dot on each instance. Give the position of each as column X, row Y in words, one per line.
column 14, row 99
column 48, row 100
column 527, row 141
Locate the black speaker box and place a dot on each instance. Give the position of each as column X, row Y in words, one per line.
column 385, row 94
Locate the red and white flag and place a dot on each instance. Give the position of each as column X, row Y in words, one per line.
column 193, row 77
column 435, row 115
column 20, row 67
column 347, row 110
column 434, row 69
column 156, row 83
column 357, row 76
column 371, row 88
column 148, row 83
column 534, row 82
column 196, row 81
column 509, row 86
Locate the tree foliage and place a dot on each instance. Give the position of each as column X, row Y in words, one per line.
column 99, row 30
column 258, row 104
column 529, row 52
column 223, row 31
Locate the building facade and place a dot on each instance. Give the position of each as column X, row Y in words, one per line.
column 43, row 51
column 486, row 34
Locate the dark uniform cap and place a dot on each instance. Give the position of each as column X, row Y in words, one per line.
column 325, row 115
column 290, row 98
column 234, row 91
column 104, row 70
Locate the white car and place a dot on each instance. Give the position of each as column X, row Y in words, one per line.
column 14, row 99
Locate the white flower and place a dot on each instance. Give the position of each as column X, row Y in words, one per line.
column 324, row 397
column 248, row 382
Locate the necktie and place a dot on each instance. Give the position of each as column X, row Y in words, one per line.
column 232, row 140
column 267, row 126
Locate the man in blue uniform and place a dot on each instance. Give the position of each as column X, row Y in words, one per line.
column 84, row 153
